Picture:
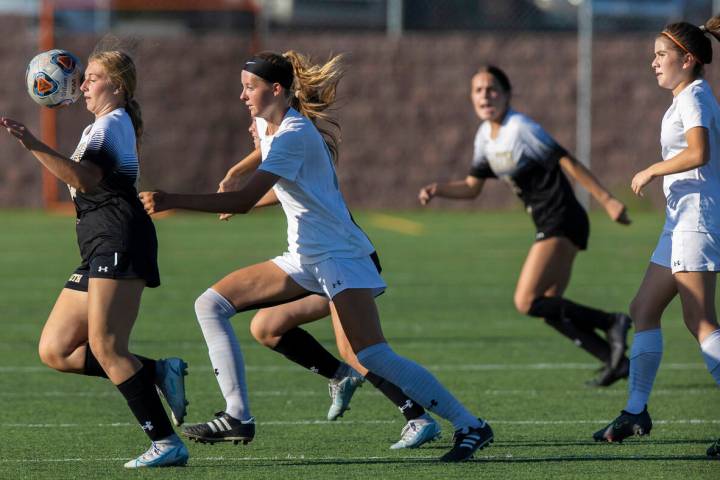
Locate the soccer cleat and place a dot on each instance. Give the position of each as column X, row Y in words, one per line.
column 170, row 382
column 341, row 392
column 223, row 428
column 714, row 450
column 608, row 375
column 418, row 432
column 467, row 441
column 624, row 426
column 617, row 339
column 160, row 454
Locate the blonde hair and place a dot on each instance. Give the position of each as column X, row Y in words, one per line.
column 120, row 68
column 314, row 91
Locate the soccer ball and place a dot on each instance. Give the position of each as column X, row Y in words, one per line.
column 53, row 78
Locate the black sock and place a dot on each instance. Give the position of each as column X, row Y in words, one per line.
column 589, row 341
column 300, row 347
column 409, row 408
column 94, row 369
column 142, row 398
column 581, row 316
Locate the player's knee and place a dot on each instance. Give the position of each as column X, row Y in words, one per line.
column 51, row 355
column 523, row 302
column 262, row 332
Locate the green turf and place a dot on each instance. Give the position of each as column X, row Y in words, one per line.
column 449, row 306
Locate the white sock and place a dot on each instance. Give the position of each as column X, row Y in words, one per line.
column 710, row 348
column 645, row 356
column 417, row 383
column 213, row 314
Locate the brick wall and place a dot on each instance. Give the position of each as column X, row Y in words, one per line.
column 404, row 108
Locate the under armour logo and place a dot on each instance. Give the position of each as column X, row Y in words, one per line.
column 314, row 370
column 676, row 263
column 433, row 403
column 148, row 426
column 217, row 372
column 337, row 284
column 405, row 406
column 103, row 269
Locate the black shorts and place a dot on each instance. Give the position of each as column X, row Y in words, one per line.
column 574, row 225
column 115, row 265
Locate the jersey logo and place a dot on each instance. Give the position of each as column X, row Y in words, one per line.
column 337, row 284
column 103, row 269
column 75, row 278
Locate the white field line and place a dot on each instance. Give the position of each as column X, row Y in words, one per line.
column 288, row 423
column 290, row 457
column 322, row 393
column 469, row 367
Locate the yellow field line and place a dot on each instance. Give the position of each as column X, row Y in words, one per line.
column 396, row 224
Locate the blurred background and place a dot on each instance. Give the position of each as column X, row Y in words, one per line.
column 579, row 67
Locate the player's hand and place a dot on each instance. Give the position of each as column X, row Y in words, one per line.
column 427, row 193
column 154, row 202
column 617, row 211
column 19, row 131
column 639, row 181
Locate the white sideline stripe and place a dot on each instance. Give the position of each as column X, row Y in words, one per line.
column 438, row 367
column 430, row 459
column 687, row 421
column 321, row 393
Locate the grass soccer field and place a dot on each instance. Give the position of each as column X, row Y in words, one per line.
column 449, row 305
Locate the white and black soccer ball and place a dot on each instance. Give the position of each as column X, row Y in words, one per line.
column 53, row 78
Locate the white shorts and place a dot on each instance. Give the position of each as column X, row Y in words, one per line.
column 333, row 275
column 688, row 251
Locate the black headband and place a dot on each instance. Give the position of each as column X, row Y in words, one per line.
column 270, row 72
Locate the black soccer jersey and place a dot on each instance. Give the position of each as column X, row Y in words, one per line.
column 110, row 217
column 527, row 158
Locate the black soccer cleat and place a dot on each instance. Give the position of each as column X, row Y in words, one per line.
column 617, row 339
column 608, row 375
column 624, row 426
column 223, row 428
column 467, row 441
column 714, row 450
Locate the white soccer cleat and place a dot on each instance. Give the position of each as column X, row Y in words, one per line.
column 341, row 392
column 160, row 454
column 418, row 432
column 170, row 382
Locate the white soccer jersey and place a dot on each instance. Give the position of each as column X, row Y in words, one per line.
column 693, row 197
column 319, row 223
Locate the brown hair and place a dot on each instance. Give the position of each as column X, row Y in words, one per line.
column 120, row 67
column 688, row 38
column 314, row 91
column 499, row 75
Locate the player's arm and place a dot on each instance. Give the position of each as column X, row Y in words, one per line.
column 695, row 155
column 466, row 189
column 83, row 176
column 247, row 165
column 615, row 209
column 240, row 201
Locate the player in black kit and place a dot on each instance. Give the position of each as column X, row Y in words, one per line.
column 89, row 327
column 512, row 147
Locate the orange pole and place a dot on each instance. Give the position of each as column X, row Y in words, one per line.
column 48, row 117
